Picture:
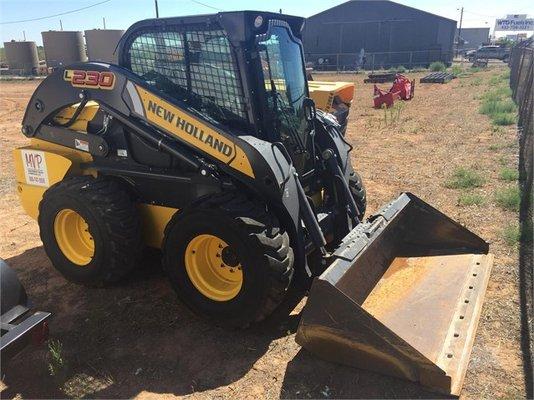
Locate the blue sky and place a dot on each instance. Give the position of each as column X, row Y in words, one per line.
column 120, row 14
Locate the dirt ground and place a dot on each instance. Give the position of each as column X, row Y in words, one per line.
column 136, row 340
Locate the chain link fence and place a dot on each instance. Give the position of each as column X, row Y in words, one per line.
column 375, row 61
column 521, row 77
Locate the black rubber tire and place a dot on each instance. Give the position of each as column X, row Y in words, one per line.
column 113, row 222
column 262, row 247
column 357, row 189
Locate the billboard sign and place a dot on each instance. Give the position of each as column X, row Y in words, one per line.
column 515, row 22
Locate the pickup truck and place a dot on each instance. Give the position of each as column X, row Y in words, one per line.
column 489, row 52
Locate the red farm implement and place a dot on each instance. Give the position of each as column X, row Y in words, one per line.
column 402, row 88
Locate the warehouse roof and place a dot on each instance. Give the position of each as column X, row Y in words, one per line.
column 381, row 1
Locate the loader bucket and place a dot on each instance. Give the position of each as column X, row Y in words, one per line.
column 402, row 298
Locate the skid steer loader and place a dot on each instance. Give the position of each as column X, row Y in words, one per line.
column 203, row 142
column 332, row 97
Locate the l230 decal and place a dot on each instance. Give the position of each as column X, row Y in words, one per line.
column 90, row 79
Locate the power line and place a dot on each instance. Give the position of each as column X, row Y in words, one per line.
column 206, row 5
column 55, row 15
column 481, row 15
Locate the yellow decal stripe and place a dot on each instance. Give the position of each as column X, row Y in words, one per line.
column 180, row 124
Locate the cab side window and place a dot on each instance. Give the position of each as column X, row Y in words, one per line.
column 195, row 66
column 158, row 58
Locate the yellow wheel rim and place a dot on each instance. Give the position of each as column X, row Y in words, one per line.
column 73, row 237
column 213, row 268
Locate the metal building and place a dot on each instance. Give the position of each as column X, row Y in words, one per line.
column 22, row 57
column 101, row 44
column 472, row 38
column 63, row 47
column 375, row 34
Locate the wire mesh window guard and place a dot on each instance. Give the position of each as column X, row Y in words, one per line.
column 195, row 66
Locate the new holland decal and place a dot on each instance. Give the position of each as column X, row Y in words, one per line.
column 192, row 131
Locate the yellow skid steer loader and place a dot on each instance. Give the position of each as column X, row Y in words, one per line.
column 203, row 142
column 332, row 97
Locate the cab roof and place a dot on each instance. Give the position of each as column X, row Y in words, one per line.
column 239, row 25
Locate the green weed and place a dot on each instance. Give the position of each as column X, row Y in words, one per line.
column 501, row 79
column 508, row 198
column 509, row 174
column 470, row 199
column 393, row 113
column 457, row 70
column 437, row 66
column 57, row 363
column 504, row 119
column 495, row 80
column 498, row 93
column 495, row 106
column 511, row 234
column 498, row 105
column 464, row 178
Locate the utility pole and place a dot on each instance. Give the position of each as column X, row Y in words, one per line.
column 104, row 22
column 156, row 5
column 24, row 34
column 459, row 31
column 60, row 25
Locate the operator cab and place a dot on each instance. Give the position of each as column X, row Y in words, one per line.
column 242, row 71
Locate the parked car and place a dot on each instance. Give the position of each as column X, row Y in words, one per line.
column 489, row 52
column 20, row 324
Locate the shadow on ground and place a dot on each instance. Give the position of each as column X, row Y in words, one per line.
column 133, row 337
column 118, row 342
column 309, row 377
